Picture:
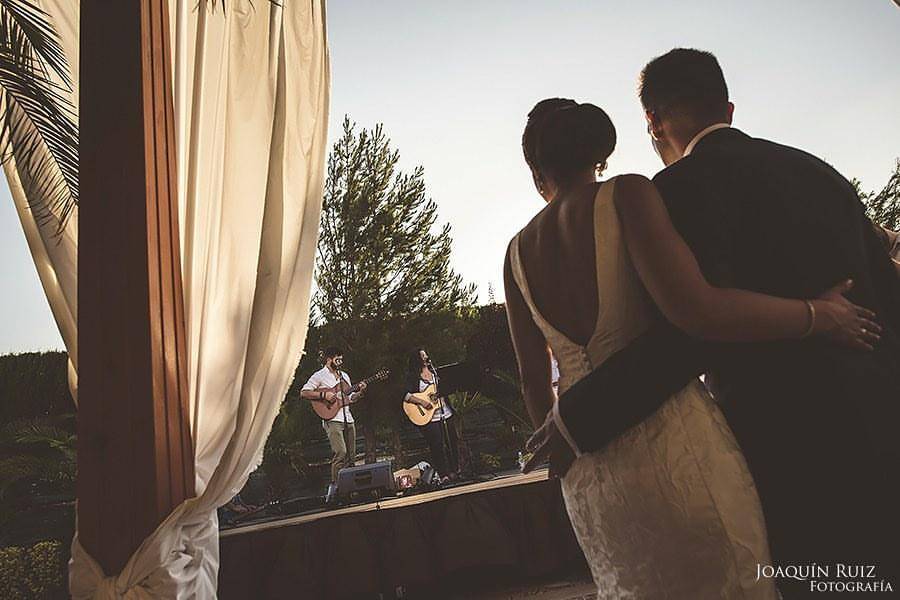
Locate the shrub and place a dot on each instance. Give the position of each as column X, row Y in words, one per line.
column 12, row 573
column 37, row 572
column 46, row 569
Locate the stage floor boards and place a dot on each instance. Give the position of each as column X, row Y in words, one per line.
column 392, row 503
column 577, row 586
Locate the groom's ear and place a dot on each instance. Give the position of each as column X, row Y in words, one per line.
column 730, row 112
column 654, row 125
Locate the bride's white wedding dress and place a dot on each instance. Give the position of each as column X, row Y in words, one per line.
column 669, row 509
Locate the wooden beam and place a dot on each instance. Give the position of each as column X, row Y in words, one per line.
column 135, row 457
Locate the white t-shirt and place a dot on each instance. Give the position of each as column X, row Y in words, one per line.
column 444, row 411
column 554, row 373
column 325, row 378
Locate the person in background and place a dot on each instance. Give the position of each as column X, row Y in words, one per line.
column 440, row 434
column 554, row 374
column 341, row 430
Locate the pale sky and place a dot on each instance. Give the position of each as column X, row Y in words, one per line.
column 453, row 81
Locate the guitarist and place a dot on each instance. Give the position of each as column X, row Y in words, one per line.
column 440, row 434
column 341, row 430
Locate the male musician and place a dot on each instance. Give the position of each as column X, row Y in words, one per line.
column 341, row 429
column 440, row 434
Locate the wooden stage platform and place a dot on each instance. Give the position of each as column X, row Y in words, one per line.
column 392, row 503
column 432, row 545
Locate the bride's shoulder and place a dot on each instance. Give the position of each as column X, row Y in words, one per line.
column 633, row 187
column 632, row 181
column 637, row 200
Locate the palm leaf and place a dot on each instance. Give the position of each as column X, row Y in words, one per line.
column 37, row 436
column 39, row 129
column 39, row 122
column 35, row 26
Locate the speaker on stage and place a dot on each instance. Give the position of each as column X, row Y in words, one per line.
column 372, row 480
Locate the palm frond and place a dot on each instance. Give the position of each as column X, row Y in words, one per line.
column 214, row 3
column 39, row 129
column 37, row 436
column 39, row 122
column 35, row 25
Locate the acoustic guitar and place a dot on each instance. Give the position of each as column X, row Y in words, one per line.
column 419, row 414
column 328, row 410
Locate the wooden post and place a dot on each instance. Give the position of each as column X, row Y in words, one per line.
column 135, row 457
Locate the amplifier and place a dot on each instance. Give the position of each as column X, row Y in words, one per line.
column 361, row 482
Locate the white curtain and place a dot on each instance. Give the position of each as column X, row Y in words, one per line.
column 251, row 90
column 55, row 256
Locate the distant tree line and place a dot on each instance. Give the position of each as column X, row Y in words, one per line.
column 883, row 207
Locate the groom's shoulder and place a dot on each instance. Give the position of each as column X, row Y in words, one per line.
column 739, row 158
column 799, row 165
column 680, row 175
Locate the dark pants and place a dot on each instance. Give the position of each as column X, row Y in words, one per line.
column 444, row 457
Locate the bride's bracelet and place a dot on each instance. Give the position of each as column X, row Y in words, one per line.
column 811, row 309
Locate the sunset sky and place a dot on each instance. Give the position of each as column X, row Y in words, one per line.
column 453, row 81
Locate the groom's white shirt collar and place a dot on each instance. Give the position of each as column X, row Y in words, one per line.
column 701, row 135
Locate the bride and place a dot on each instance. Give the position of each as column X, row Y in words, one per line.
column 669, row 509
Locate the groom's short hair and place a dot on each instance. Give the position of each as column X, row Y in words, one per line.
column 685, row 81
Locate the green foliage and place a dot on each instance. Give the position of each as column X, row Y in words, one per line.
column 494, row 420
column 36, row 455
column 491, row 346
column 46, row 569
column 369, row 346
column 884, row 207
column 37, row 572
column 39, row 121
column 286, row 460
column 383, row 276
column 378, row 256
column 34, row 384
column 12, row 573
column 489, row 462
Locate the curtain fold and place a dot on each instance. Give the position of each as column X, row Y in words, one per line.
column 251, row 90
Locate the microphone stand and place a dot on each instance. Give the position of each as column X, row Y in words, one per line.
column 344, row 402
column 445, row 434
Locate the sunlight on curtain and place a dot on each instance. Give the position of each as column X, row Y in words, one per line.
column 251, row 90
column 56, row 256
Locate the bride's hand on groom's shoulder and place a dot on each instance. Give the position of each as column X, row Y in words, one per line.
column 547, row 443
column 841, row 321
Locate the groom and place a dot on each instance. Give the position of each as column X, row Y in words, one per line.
column 817, row 423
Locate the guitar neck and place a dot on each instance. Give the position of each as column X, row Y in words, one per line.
column 379, row 376
column 355, row 387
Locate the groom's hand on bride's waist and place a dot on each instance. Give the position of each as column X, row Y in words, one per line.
column 547, row 443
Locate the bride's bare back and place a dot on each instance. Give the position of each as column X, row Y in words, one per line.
column 558, row 257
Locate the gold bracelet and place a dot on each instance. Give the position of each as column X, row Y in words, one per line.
column 811, row 309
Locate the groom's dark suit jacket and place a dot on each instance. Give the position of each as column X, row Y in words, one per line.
column 818, row 423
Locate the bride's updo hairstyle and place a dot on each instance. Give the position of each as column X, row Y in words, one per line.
column 535, row 125
column 573, row 139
